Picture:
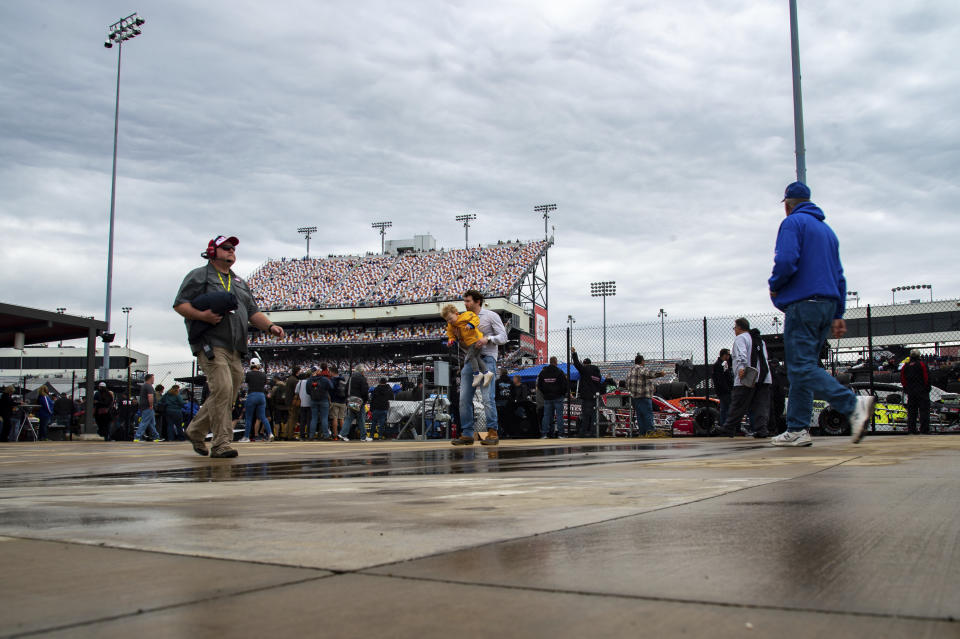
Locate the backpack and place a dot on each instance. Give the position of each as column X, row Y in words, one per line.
column 341, row 387
column 317, row 388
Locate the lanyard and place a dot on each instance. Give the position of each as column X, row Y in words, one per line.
column 229, row 281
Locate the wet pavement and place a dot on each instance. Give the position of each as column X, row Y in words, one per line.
column 660, row 537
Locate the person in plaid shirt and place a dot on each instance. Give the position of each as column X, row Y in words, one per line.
column 640, row 386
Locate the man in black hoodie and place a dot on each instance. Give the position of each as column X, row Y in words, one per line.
column 380, row 406
column 723, row 383
column 552, row 384
column 591, row 383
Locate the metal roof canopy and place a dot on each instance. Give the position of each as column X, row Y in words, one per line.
column 39, row 327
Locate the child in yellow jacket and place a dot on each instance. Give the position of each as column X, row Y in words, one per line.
column 462, row 327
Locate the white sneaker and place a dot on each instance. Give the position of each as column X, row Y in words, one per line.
column 487, row 378
column 477, row 379
column 793, row 438
column 860, row 417
column 344, row 437
column 271, row 438
column 245, row 440
column 368, row 439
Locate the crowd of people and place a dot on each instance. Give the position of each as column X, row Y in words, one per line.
column 297, row 336
column 339, row 281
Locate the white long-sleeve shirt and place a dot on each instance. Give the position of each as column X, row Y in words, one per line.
column 492, row 328
column 740, row 357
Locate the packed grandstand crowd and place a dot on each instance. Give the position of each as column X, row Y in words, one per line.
column 296, row 336
column 374, row 280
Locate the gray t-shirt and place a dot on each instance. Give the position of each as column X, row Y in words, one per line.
column 145, row 392
column 231, row 332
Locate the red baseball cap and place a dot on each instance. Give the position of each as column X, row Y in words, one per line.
column 222, row 239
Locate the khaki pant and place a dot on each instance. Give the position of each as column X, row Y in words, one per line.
column 224, row 377
column 289, row 429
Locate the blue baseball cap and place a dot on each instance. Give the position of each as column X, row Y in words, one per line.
column 796, row 191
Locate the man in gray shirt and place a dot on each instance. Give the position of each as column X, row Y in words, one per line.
column 148, row 419
column 226, row 340
column 494, row 334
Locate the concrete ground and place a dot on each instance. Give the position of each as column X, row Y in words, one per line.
column 584, row 538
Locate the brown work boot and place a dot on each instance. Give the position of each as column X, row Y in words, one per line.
column 492, row 438
column 462, row 441
column 224, row 453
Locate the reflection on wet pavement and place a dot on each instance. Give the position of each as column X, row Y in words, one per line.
column 452, row 461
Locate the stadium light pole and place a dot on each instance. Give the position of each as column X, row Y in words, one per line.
column 855, row 295
column 308, row 232
column 797, row 95
column 126, row 311
column 776, row 324
column 663, row 344
column 383, row 226
column 61, row 310
column 546, row 210
column 466, row 227
column 118, row 33
column 911, row 287
column 604, row 290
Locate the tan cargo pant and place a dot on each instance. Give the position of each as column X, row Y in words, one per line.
column 289, row 429
column 224, row 377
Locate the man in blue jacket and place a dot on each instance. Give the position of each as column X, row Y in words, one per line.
column 808, row 286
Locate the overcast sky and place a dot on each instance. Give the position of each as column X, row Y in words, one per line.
column 663, row 131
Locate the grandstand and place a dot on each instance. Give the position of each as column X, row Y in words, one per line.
column 383, row 309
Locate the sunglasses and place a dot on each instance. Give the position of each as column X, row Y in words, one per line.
column 227, row 247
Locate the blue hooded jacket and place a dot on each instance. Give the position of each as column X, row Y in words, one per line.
column 807, row 260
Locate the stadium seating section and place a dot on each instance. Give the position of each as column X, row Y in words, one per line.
column 377, row 280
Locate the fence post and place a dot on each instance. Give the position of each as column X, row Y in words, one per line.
column 562, row 429
column 706, row 357
column 873, row 424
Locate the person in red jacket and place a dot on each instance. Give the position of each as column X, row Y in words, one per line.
column 916, row 386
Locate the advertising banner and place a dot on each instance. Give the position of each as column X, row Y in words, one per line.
column 540, row 334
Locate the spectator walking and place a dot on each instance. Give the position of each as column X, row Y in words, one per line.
column 751, row 393
column 494, row 334
column 808, row 285
column 639, row 384
column 380, row 407
column 103, row 410
column 225, row 342
column 589, row 386
column 723, row 383
column 915, row 379
column 45, row 412
column 357, row 392
column 338, row 401
column 148, row 421
column 171, row 407
column 319, row 387
column 552, row 383
column 256, row 404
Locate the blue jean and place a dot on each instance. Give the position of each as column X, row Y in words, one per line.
column 320, row 414
column 378, row 418
column 44, row 423
column 173, row 420
column 805, row 330
column 361, row 416
column 552, row 410
column 148, row 420
column 643, row 413
column 466, row 397
column 256, row 407
column 724, row 409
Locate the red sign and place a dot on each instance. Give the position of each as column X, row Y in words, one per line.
column 540, row 334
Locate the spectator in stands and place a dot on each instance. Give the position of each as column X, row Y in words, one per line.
column 379, row 407
column 495, row 334
column 288, row 432
column 357, row 392
column 338, row 401
column 102, row 410
column 552, row 383
column 590, row 385
column 723, row 383
column 915, row 378
column 639, row 384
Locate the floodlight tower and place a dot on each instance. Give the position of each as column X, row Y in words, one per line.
column 308, row 232
column 545, row 210
column 119, row 32
column 383, row 226
column 466, row 227
column 604, row 290
column 663, row 343
column 126, row 312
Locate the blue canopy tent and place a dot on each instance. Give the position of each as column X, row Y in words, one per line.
column 529, row 375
